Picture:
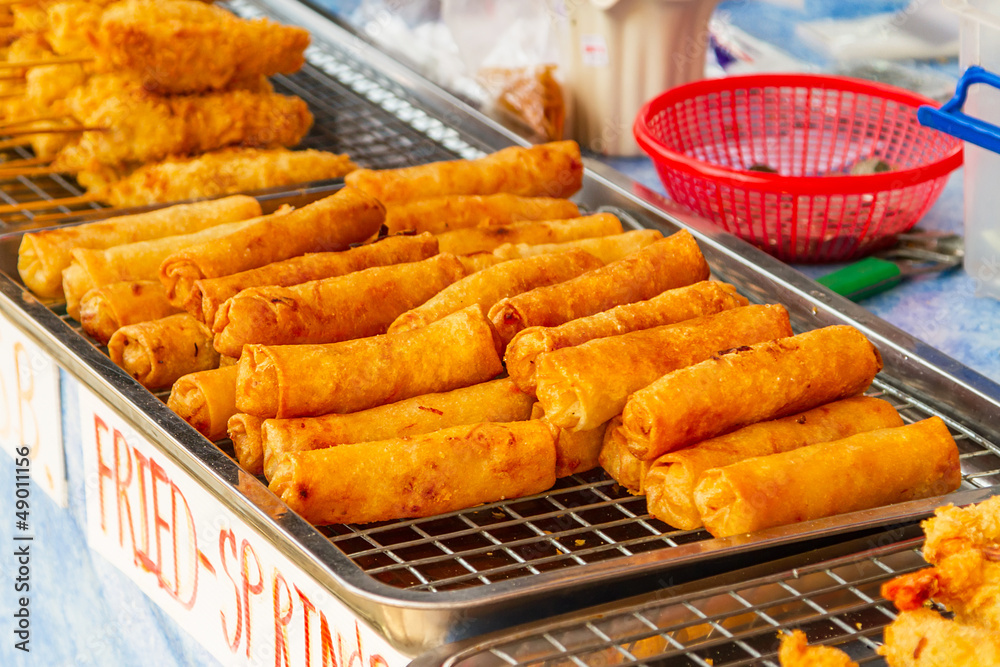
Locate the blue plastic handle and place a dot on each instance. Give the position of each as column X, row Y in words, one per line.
column 950, row 119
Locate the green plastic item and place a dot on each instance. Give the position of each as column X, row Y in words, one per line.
column 864, row 278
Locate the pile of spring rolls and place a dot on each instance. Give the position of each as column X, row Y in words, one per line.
column 436, row 337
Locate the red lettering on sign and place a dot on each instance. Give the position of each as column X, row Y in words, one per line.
column 281, row 620
column 225, row 536
column 103, row 469
column 327, row 654
column 248, row 588
column 192, row 550
column 142, row 552
column 121, row 488
column 307, row 609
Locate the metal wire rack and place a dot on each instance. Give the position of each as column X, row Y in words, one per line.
column 836, row 602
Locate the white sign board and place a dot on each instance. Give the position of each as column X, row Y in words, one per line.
column 219, row 579
column 30, row 412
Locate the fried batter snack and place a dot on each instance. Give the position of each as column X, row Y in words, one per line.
column 104, row 310
column 672, row 306
column 484, row 239
column 491, row 284
column 158, row 352
column 312, row 380
column 871, row 469
column 547, row 170
column 360, row 304
column 494, row 401
column 43, row 255
column 924, row 638
column 796, row 652
column 418, row 476
column 141, row 260
column 443, row 214
column 206, row 400
column 668, row 263
column 245, row 432
column 576, row 451
column 208, row 294
column 784, row 376
column 331, row 223
column 606, row 248
column 584, row 386
column 670, row 481
column 182, row 46
column 619, row 462
column 218, row 173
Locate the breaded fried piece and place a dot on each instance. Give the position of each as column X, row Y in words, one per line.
column 221, row 172
column 138, row 126
column 954, row 529
column 796, row 652
column 923, row 638
column 183, row 46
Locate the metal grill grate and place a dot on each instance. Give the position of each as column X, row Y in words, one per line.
column 835, row 603
column 585, row 518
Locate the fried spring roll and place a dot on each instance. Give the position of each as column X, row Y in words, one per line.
column 133, row 261
column 245, row 432
column 332, row 223
column 206, row 400
column 606, row 248
column 925, row 638
column 358, row 305
column 668, row 263
column 619, row 462
column 484, row 239
column 478, row 261
column 422, row 475
column 443, row 214
column 859, row 472
column 575, row 451
column 494, row 401
column 669, row 484
column 310, row 380
column 210, row 293
column 104, row 310
column 548, row 170
column 584, row 386
column 488, row 286
column 676, row 305
column 42, row 256
column 784, row 376
column 158, row 352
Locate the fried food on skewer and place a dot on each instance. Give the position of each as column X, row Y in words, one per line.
column 141, row 127
column 185, row 46
column 216, row 173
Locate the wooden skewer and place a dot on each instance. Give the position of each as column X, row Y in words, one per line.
column 17, row 132
column 44, row 205
column 61, row 60
column 8, row 174
column 26, row 162
column 28, row 121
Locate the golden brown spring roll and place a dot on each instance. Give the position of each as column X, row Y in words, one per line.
column 361, row 304
column 422, row 475
column 133, row 261
column 676, row 305
column 206, row 400
column 494, row 401
column 43, row 255
column 575, row 451
column 245, row 432
column 331, row 223
column 668, row 263
column 210, row 293
column 584, row 386
column 548, row 170
column 859, row 472
column 104, row 310
column 488, row 286
column 484, row 239
column 443, row 214
column 478, row 261
column 670, row 482
column 606, row 248
column 158, row 352
column 310, row 380
column 783, row 376
column 619, row 462
column 925, row 638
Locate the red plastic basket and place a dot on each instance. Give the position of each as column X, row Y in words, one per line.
column 704, row 136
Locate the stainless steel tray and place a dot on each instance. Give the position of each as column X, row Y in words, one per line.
column 425, row 582
column 724, row 621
